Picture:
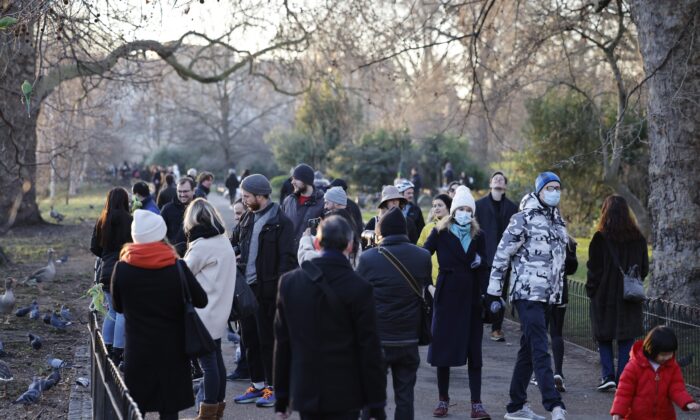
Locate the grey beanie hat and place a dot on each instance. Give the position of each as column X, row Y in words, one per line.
column 336, row 195
column 257, row 184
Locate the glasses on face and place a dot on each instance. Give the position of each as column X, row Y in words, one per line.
column 552, row 188
column 181, row 192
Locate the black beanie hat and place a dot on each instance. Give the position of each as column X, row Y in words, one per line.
column 392, row 223
column 340, row 183
column 304, row 173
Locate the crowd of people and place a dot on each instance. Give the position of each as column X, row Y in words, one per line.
column 341, row 302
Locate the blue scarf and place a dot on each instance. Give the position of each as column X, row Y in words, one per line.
column 463, row 233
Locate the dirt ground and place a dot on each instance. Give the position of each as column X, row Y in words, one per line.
column 27, row 249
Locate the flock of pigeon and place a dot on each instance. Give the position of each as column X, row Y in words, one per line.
column 60, row 321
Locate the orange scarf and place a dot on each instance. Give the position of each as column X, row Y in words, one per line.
column 150, row 256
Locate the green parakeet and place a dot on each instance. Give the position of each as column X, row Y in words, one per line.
column 27, row 93
column 6, row 22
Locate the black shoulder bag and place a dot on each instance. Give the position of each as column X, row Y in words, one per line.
column 632, row 285
column 244, row 302
column 198, row 341
column 425, row 335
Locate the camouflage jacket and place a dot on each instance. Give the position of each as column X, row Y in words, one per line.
column 534, row 247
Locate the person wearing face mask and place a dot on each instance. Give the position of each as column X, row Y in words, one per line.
column 457, row 321
column 440, row 209
column 495, row 210
column 533, row 248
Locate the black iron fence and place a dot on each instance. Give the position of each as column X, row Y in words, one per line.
column 110, row 398
column 685, row 321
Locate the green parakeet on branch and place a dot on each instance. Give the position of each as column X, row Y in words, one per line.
column 27, row 93
column 6, row 22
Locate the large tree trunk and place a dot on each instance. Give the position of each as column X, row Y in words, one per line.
column 668, row 37
column 18, row 139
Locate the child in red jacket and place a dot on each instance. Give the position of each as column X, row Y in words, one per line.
column 652, row 380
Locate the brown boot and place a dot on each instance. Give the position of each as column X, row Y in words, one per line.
column 207, row 411
column 220, row 410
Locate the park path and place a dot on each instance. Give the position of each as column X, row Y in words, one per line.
column 580, row 367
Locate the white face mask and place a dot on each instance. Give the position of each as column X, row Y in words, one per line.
column 551, row 198
column 463, row 217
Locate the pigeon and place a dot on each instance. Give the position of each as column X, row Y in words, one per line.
column 82, row 381
column 62, row 260
column 47, row 319
column 58, row 323
column 25, row 309
column 65, row 313
column 50, row 381
column 5, row 376
column 2, row 350
column 8, row 300
column 34, row 340
column 34, row 313
column 56, row 215
column 31, row 396
column 44, row 274
column 58, row 363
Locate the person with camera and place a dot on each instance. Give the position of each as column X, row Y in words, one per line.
column 264, row 238
column 328, row 361
column 305, row 203
column 398, row 303
column 391, row 197
column 457, row 309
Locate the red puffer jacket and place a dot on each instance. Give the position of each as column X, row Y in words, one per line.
column 644, row 394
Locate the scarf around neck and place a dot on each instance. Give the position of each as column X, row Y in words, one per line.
column 152, row 255
column 463, row 233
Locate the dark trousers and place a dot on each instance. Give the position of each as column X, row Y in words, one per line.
column 249, row 335
column 351, row 415
column 214, row 375
column 261, row 344
column 556, row 327
column 533, row 355
column 497, row 324
column 168, row 416
column 242, row 366
column 403, row 361
column 605, row 348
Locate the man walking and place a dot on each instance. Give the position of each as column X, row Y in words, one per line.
column 174, row 213
column 398, row 303
column 305, row 203
column 264, row 237
column 328, row 361
column 232, row 185
column 495, row 210
column 534, row 248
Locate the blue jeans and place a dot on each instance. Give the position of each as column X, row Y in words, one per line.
column 214, row 375
column 605, row 348
column 113, row 325
column 533, row 355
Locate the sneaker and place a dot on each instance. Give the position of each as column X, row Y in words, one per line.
column 250, row 395
column 524, row 413
column 268, row 398
column 558, row 413
column 559, row 383
column 238, row 376
column 479, row 412
column 498, row 336
column 606, row 384
column 442, row 407
column 533, row 381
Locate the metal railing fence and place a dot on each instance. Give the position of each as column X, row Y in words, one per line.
column 110, row 397
column 685, row 321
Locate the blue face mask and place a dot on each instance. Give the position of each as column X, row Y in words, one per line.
column 551, row 198
column 463, row 217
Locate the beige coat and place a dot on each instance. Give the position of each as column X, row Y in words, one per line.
column 213, row 263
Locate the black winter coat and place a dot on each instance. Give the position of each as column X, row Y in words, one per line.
column 156, row 369
column 201, row 192
column 327, row 359
column 166, row 195
column 612, row 317
column 120, row 234
column 301, row 214
column 174, row 213
column 398, row 305
column 232, row 183
column 493, row 225
column 416, row 215
column 276, row 254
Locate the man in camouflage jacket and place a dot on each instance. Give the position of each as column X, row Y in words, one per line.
column 534, row 248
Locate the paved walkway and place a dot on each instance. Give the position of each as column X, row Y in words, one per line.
column 580, row 367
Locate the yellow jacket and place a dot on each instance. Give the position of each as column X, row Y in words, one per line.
column 421, row 241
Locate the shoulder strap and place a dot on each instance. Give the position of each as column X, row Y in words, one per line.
column 402, row 269
column 186, row 297
column 615, row 258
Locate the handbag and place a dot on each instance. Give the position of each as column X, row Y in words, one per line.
column 198, row 341
column 245, row 303
column 632, row 285
column 425, row 335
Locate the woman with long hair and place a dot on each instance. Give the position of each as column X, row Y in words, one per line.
column 212, row 261
column 147, row 288
column 111, row 232
column 457, row 324
column 617, row 246
column 440, row 209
